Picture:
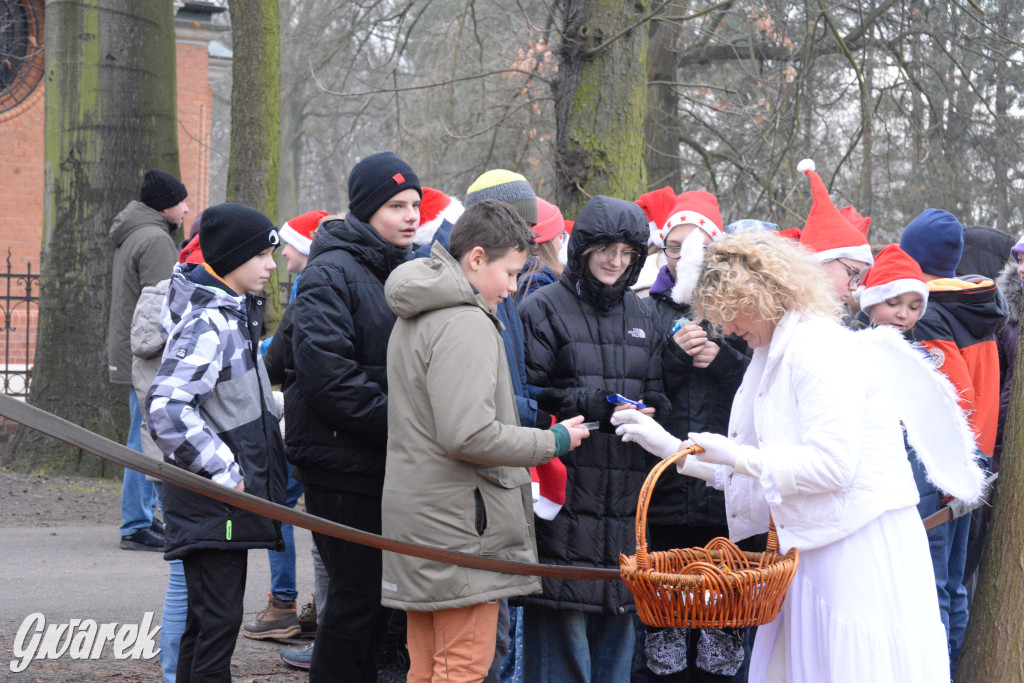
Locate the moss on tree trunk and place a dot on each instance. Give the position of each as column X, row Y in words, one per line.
column 601, row 102
column 256, row 117
column 110, row 115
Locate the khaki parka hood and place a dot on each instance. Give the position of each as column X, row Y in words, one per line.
column 431, row 284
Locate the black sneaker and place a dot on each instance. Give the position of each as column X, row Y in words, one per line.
column 157, row 527
column 143, row 539
column 300, row 658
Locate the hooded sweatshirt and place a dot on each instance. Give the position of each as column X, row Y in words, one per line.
column 457, row 458
column 145, row 255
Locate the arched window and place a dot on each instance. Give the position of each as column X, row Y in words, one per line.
column 21, row 51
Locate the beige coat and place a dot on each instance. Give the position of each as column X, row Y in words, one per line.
column 457, row 459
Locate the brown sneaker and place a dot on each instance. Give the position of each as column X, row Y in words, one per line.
column 278, row 620
column 307, row 620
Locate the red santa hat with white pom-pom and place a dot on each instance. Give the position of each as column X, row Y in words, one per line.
column 435, row 208
column 894, row 273
column 826, row 232
column 657, row 206
column 697, row 207
column 548, row 483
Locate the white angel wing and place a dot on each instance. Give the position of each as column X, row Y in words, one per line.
column 927, row 404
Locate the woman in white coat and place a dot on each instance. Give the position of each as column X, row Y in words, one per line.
column 815, row 442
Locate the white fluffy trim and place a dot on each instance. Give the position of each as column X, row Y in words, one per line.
column 860, row 252
column 927, row 405
column 289, row 235
column 872, row 296
column 805, row 165
column 691, row 255
column 425, row 233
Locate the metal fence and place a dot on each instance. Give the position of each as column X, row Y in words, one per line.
column 18, row 316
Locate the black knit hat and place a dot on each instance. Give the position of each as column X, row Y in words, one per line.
column 376, row 179
column 231, row 234
column 161, row 190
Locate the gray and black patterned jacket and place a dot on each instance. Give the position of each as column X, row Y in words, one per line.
column 210, row 410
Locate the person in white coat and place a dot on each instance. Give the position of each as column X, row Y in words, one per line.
column 815, row 443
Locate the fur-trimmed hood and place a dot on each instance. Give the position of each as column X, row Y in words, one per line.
column 1010, row 285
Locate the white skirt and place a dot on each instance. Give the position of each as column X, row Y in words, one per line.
column 861, row 609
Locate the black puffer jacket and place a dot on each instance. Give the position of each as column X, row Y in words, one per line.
column 336, row 404
column 585, row 340
column 701, row 402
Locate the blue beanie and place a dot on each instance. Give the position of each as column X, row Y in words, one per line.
column 935, row 239
column 376, row 179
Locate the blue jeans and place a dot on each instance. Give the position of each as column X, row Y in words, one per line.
column 282, row 563
column 172, row 623
column 138, row 497
column 567, row 645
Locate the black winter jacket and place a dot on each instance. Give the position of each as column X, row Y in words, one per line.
column 336, row 404
column 701, row 402
column 585, row 340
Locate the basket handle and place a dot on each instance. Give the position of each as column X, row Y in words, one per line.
column 642, row 560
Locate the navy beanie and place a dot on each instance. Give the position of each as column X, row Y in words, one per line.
column 376, row 179
column 231, row 234
column 935, row 239
column 161, row 190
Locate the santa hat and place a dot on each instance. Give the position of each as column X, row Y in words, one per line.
column 789, row 233
column 550, row 223
column 894, row 273
column 191, row 253
column 435, row 208
column 298, row 231
column 657, row 206
column 699, row 208
column 826, row 232
column 548, row 484
column 860, row 223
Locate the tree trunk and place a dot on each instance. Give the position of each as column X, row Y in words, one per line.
column 110, row 115
column 256, row 117
column 600, row 102
column 661, row 129
column 994, row 644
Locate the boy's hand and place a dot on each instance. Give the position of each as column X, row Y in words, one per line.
column 576, row 433
column 240, row 486
column 691, row 339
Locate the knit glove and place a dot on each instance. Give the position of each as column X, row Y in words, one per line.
column 635, row 427
column 718, row 450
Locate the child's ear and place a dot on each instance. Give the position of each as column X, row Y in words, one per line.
column 476, row 258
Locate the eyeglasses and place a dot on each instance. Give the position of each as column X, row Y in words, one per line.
column 672, row 251
column 609, row 253
column 855, row 275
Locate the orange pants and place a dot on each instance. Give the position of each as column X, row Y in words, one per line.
column 452, row 645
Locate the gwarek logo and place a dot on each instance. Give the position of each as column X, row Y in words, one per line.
column 82, row 639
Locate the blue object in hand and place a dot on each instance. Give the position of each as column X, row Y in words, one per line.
column 680, row 324
column 619, row 398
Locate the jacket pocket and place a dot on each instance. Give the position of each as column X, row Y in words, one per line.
column 481, row 513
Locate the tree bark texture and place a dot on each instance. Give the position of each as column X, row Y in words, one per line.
column 993, row 647
column 601, row 101
column 110, row 116
column 663, row 124
column 256, row 117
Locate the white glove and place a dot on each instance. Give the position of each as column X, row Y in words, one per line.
column 718, row 450
column 634, row 426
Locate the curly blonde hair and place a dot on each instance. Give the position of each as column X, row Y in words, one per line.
column 760, row 274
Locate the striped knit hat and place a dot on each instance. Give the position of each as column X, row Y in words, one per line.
column 508, row 187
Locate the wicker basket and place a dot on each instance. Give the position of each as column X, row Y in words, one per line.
column 716, row 586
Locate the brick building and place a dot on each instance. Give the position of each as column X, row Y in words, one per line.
column 200, row 61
